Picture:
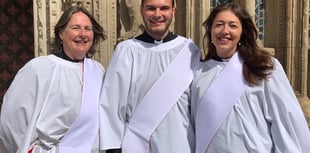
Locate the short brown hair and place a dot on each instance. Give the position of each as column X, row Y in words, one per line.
column 56, row 46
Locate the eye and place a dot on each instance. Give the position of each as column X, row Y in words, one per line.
column 89, row 28
column 75, row 27
column 164, row 8
column 234, row 26
column 218, row 24
column 150, row 8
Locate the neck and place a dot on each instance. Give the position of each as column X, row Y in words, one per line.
column 63, row 55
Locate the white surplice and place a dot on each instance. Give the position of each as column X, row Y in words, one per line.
column 133, row 69
column 266, row 118
column 41, row 104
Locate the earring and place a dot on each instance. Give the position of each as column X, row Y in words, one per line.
column 239, row 43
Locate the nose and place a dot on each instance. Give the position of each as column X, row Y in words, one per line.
column 82, row 32
column 157, row 12
column 225, row 29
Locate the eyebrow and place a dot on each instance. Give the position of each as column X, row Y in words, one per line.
column 154, row 6
column 228, row 21
column 79, row 25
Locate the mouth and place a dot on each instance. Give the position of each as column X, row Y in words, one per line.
column 224, row 38
column 156, row 22
column 80, row 41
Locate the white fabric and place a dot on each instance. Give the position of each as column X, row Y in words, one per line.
column 133, row 69
column 267, row 114
column 41, row 104
column 213, row 102
column 80, row 137
column 151, row 111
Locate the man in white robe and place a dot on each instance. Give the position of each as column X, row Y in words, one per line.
column 136, row 65
column 134, row 68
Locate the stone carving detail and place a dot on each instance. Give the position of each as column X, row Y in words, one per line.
column 130, row 19
column 39, row 16
column 68, row 3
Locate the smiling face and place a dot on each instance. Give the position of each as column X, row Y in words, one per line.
column 225, row 33
column 157, row 16
column 77, row 37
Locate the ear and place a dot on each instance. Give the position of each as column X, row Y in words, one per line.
column 60, row 35
column 173, row 10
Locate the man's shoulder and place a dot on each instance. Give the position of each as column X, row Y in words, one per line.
column 183, row 38
column 130, row 40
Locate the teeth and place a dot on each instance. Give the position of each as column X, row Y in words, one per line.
column 224, row 39
column 80, row 41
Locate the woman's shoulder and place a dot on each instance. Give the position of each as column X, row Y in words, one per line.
column 37, row 62
column 49, row 62
column 277, row 66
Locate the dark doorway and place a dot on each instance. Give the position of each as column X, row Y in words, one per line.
column 16, row 39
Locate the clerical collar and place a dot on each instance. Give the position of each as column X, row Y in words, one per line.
column 220, row 59
column 147, row 38
column 64, row 56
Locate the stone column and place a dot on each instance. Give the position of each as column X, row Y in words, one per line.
column 304, row 58
column 197, row 12
column 40, row 25
column 249, row 5
column 296, row 57
column 106, row 13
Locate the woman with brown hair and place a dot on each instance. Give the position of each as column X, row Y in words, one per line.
column 52, row 104
column 241, row 98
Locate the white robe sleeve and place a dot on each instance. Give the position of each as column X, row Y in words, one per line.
column 19, row 104
column 113, row 101
column 289, row 129
column 41, row 104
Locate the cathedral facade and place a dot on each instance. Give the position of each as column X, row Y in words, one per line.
column 27, row 29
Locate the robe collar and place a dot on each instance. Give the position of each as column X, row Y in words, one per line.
column 220, row 59
column 147, row 38
column 64, row 56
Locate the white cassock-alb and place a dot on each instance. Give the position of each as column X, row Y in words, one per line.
column 266, row 119
column 42, row 103
column 133, row 69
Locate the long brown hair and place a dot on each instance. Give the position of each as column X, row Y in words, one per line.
column 57, row 47
column 257, row 61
